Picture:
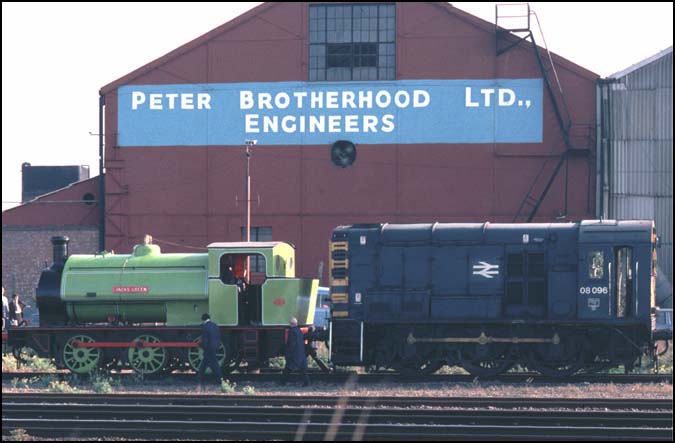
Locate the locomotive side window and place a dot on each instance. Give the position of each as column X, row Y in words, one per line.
column 596, row 265
column 258, row 234
column 624, row 281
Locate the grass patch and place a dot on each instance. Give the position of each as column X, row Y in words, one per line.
column 18, row 435
column 61, row 387
column 226, row 387
column 102, row 384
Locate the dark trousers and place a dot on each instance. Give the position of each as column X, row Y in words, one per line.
column 286, row 376
column 211, row 361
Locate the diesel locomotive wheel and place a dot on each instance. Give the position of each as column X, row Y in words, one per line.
column 147, row 360
column 78, row 359
column 420, row 367
column 385, row 353
column 196, row 355
column 485, row 360
column 559, row 360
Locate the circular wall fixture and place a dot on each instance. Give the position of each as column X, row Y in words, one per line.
column 343, row 153
column 89, row 199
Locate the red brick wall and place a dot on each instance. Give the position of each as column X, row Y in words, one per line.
column 26, row 249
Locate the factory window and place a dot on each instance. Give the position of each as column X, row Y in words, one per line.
column 352, row 42
column 260, row 234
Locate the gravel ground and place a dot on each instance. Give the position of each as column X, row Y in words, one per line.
column 480, row 389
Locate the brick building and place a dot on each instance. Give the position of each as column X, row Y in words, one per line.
column 452, row 120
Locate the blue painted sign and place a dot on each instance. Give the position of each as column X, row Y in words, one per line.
column 318, row 113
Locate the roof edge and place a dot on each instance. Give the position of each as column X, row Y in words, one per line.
column 490, row 27
column 245, row 17
column 40, row 197
column 641, row 64
column 187, row 47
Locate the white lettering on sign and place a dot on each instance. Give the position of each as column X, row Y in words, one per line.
column 498, row 110
column 485, row 269
column 130, row 289
column 505, row 98
column 255, row 123
column 593, row 290
column 419, row 98
column 158, row 101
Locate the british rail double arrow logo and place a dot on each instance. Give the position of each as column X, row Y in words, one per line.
column 485, row 269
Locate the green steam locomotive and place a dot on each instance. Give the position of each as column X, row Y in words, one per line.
column 143, row 310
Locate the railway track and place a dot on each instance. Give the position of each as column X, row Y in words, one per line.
column 327, row 418
column 389, row 377
column 335, row 401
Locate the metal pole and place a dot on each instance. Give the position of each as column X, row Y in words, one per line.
column 248, row 208
column 101, row 176
column 249, row 143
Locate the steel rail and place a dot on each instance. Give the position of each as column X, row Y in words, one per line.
column 319, row 431
column 389, row 377
column 290, row 418
column 349, row 415
column 342, row 401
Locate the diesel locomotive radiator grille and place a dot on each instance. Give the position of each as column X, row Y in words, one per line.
column 339, row 272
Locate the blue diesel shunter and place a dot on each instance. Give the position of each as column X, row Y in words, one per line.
column 556, row 298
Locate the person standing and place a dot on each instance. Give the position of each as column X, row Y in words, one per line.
column 16, row 311
column 5, row 309
column 295, row 354
column 210, row 344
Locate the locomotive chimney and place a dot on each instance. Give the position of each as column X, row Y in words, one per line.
column 60, row 247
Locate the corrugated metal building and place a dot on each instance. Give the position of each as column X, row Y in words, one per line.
column 452, row 122
column 637, row 153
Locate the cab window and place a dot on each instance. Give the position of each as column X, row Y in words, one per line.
column 596, row 265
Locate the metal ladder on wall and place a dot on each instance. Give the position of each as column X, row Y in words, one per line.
column 506, row 39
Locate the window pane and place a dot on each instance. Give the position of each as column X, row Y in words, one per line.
column 338, row 55
column 596, row 265
column 343, row 30
column 338, row 74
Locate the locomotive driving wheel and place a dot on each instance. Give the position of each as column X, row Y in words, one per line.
column 420, row 366
column 80, row 360
column 562, row 358
column 196, row 355
column 485, row 360
column 147, row 360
